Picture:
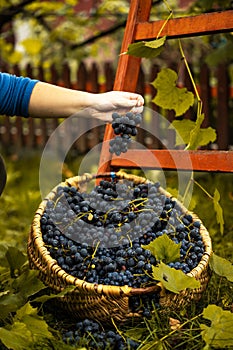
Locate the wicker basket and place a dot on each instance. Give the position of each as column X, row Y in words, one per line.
column 104, row 302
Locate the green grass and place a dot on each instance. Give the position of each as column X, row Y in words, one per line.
column 18, row 204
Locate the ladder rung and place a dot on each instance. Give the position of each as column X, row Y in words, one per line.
column 213, row 161
column 202, row 24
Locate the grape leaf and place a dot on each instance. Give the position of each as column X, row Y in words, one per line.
column 10, row 303
column 44, row 298
column 16, row 336
column 15, row 258
column 164, row 249
column 135, row 333
column 34, row 323
column 200, row 137
column 153, row 344
column 219, row 334
column 169, row 96
column 28, row 283
column 221, row 266
column 147, row 49
column 185, row 128
column 172, row 279
column 218, row 210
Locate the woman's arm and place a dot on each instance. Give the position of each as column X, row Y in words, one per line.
column 48, row 100
column 25, row 97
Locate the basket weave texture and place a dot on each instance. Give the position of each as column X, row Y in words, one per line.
column 106, row 302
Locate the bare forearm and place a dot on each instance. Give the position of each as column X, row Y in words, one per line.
column 53, row 101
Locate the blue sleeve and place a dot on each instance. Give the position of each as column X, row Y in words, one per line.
column 15, row 93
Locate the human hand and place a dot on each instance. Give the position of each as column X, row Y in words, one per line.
column 103, row 105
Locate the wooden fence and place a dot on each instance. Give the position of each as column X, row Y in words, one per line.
column 214, row 86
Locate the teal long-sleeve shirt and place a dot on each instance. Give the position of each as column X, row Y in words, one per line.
column 15, row 93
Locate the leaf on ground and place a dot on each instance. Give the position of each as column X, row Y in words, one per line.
column 10, row 303
column 34, row 323
column 164, row 249
column 172, row 279
column 219, row 334
column 28, row 283
column 15, row 258
column 169, row 96
column 153, row 344
column 16, row 336
column 221, row 267
column 146, row 49
column 44, row 298
column 135, row 333
column 218, row 210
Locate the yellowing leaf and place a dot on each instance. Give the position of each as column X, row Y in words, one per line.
column 169, row 96
column 221, row 267
column 200, row 137
column 182, row 129
column 147, row 49
column 188, row 134
column 32, row 46
column 218, row 210
column 219, row 334
column 172, row 279
column 164, row 249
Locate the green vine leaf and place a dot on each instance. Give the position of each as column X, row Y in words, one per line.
column 15, row 258
column 172, row 279
column 164, row 249
column 218, row 210
column 42, row 299
column 169, row 96
column 219, row 334
column 146, row 49
column 221, row 267
column 34, row 323
column 27, row 327
column 200, row 137
column 188, row 133
column 28, row 284
column 16, row 336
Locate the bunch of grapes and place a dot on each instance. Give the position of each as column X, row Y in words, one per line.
column 96, row 337
column 124, row 127
column 98, row 236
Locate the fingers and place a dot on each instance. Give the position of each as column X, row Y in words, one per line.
column 124, row 99
column 138, row 99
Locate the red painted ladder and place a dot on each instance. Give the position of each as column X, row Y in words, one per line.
column 138, row 27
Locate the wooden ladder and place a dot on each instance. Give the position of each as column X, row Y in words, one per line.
column 138, row 28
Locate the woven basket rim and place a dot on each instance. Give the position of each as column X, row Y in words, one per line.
column 103, row 289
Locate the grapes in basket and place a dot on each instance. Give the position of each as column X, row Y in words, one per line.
column 104, row 236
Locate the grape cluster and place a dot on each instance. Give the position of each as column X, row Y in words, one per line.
column 96, row 337
column 124, row 127
column 97, row 236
